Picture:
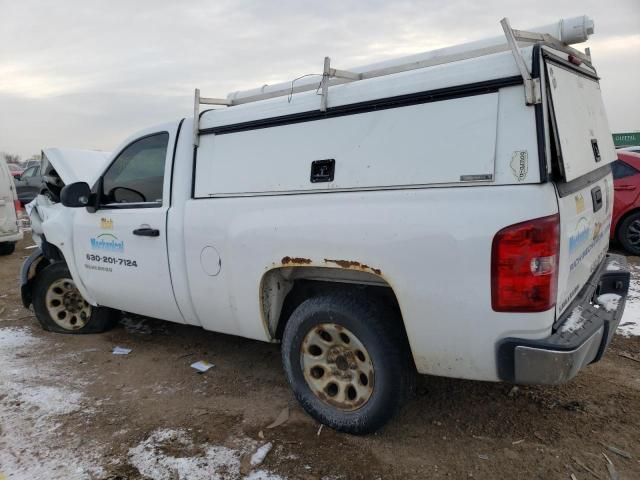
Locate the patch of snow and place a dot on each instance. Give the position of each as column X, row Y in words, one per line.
column 261, row 475
column 614, row 266
column 199, row 462
column 12, row 338
column 574, row 322
column 31, row 404
column 258, row 457
column 52, row 401
column 630, row 323
column 609, row 301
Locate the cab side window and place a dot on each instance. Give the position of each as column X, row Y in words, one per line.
column 30, row 172
column 622, row 170
column 137, row 174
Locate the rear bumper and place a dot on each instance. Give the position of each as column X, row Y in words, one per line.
column 580, row 336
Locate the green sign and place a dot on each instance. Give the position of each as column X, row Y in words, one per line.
column 629, row 139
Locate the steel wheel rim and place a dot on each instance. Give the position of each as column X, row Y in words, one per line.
column 633, row 233
column 65, row 305
column 337, row 367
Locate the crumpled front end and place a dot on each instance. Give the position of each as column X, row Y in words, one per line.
column 52, row 231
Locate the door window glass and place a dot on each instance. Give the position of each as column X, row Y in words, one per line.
column 29, row 172
column 137, row 175
column 622, row 170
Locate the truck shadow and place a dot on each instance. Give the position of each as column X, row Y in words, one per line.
column 456, row 407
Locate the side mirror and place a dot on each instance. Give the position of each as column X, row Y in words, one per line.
column 75, row 195
column 17, row 177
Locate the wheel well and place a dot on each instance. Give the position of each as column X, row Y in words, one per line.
column 51, row 252
column 284, row 289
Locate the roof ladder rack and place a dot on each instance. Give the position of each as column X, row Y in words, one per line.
column 327, row 73
column 532, row 92
column 333, row 76
column 198, row 100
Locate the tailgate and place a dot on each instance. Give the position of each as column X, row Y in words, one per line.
column 584, row 149
column 585, row 221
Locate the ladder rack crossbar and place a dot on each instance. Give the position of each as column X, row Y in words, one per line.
column 215, row 101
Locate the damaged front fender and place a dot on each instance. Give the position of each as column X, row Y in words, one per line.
column 26, row 276
column 52, row 231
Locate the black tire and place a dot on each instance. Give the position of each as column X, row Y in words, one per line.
column 376, row 326
column 7, row 248
column 78, row 317
column 629, row 234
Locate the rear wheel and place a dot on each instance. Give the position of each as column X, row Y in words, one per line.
column 7, row 248
column 345, row 361
column 60, row 307
column 629, row 233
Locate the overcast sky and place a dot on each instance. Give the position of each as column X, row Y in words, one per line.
column 88, row 73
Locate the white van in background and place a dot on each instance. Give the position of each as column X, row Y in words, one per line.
column 9, row 231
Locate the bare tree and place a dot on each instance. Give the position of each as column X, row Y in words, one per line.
column 11, row 158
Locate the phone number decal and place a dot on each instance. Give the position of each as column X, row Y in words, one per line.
column 125, row 262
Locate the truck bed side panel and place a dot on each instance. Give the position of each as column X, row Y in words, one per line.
column 432, row 246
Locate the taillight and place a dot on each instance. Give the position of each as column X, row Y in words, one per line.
column 524, row 266
column 17, row 205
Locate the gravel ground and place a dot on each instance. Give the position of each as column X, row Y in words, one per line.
column 70, row 409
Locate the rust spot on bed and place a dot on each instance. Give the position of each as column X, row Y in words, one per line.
column 295, row 261
column 352, row 264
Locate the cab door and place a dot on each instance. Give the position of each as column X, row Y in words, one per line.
column 121, row 249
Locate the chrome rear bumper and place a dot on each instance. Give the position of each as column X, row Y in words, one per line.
column 574, row 344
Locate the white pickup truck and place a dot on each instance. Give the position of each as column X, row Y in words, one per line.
column 446, row 213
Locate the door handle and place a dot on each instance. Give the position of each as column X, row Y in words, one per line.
column 596, row 197
column 147, row 232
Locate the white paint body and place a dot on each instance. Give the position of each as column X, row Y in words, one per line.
column 399, row 203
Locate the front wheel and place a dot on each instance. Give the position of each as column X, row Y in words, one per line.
column 629, row 234
column 345, row 361
column 59, row 306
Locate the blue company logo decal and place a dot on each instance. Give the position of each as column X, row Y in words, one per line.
column 580, row 234
column 107, row 241
column 596, row 239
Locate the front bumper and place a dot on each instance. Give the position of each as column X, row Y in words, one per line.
column 580, row 336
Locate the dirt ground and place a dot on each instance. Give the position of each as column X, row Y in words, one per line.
column 69, row 409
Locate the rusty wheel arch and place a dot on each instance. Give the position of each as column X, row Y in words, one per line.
column 283, row 289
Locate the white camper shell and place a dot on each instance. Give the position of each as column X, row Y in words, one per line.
column 446, row 213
